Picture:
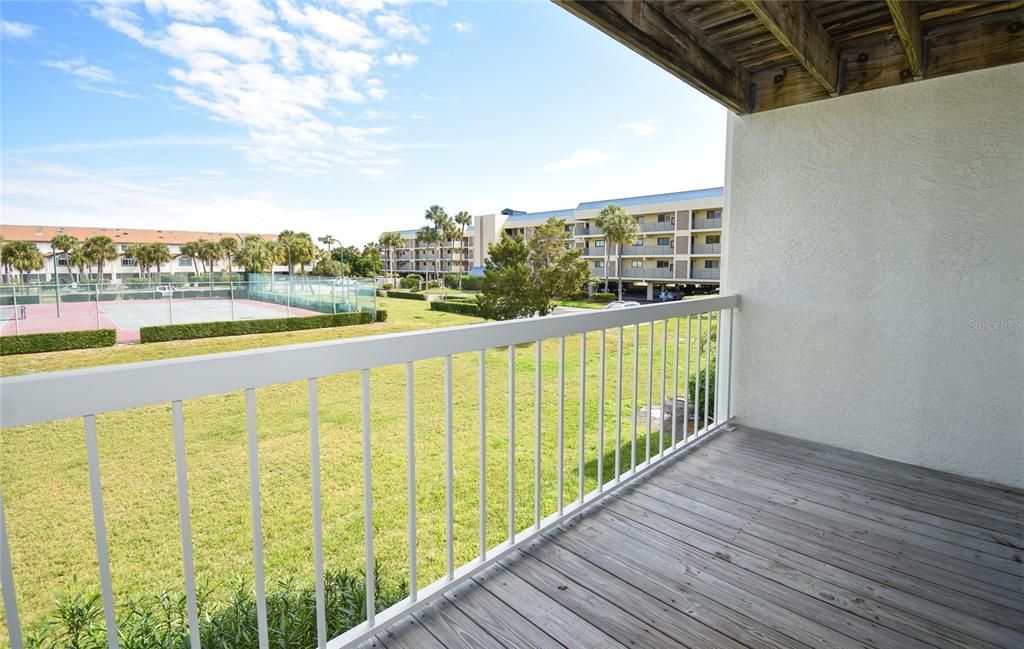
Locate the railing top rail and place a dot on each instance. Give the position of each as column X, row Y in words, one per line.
column 36, row 398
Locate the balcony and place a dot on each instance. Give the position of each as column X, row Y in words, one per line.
column 705, row 273
column 706, row 249
column 587, row 230
column 643, row 251
column 663, row 226
column 707, row 224
column 647, row 273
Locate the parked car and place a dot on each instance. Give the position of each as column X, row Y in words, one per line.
column 621, row 304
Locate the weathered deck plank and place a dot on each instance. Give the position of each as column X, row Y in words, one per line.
column 756, row 540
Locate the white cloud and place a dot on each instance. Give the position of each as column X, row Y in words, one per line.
column 11, row 29
column 580, row 158
column 133, row 143
column 360, row 134
column 401, row 59
column 378, row 114
column 79, row 68
column 462, row 27
column 644, row 128
column 399, row 27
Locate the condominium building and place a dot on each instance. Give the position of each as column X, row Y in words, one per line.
column 421, row 258
column 679, row 241
column 124, row 267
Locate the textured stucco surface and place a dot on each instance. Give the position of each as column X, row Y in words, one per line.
column 877, row 244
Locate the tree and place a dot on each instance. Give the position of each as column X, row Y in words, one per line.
column 391, row 241
column 228, row 249
column 159, row 254
column 63, row 243
column 140, row 253
column 80, row 260
column 429, row 236
column 22, row 256
column 99, row 249
column 297, row 248
column 208, row 252
column 524, row 278
column 463, row 219
column 329, row 241
column 328, row 267
column 621, row 229
column 256, row 255
column 191, row 250
column 449, row 232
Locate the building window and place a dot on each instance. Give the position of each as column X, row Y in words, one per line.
column 599, row 264
column 639, row 241
column 599, row 243
column 62, row 261
column 123, row 247
column 664, row 241
column 664, row 218
column 569, row 246
column 663, row 264
column 714, row 214
column 184, row 260
column 713, row 238
column 639, row 219
column 710, row 263
column 636, row 263
column 127, row 261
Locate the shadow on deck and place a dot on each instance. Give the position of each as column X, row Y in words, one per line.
column 756, row 540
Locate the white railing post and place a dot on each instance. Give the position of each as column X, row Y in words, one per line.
column 696, row 387
column 318, row 526
column 370, row 576
column 536, row 436
column 99, row 525
column 483, row 454
column 675, row 384
column 257, row 520
column 449, row 471
column 410, row 446
column 618, row 408
column 583, row 414
column 707, row 374
column 188, row 565
column 687, row 404
column 723, row 374
column 561, row 424
column 600, row 416
column 7, row 584
column 650, row 385
column 511, row 444
column 661, row 404
column 636, row 392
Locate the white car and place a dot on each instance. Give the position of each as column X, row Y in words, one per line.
column 621, row 304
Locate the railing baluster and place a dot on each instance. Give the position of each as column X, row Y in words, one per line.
column 650, row 384
column 718, row 377
column 675, row 384
column 561, row 424
column 600, row 418
column 583, row 411
column 661, row 409
column 707, row 375
column 318, row 526
column 410, row 449
column 688, row 405
column 257, row 526
column 696, row 387
column 188, row 565
column 449, row 471
column 618, row 408
column 7, row 584
column 728, row 374
column 102, row 555
column 511, row 444
column 536, row 437
column 371, row 582
column 636, row 383
column 483, row 455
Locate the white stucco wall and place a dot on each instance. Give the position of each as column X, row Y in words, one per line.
column 877, row 244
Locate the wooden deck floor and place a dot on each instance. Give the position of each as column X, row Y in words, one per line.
column 756, row 540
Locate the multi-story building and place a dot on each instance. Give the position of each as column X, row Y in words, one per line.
column 124, row 266
column 421, row 258
column 679, row 241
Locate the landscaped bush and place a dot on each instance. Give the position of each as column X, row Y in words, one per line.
column 699, row 397
column 469, row 282
column 603, row 297
column 381, row 292
column 52, row 342
column 388, row 286
column 452, row 306
column 382, row 315
column 410, row 282
column 161, row 621
column 8, row 300
column 407, row 295
column 163, row 333
column 434, row 283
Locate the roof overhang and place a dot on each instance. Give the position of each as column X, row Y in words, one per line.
column 758, row 55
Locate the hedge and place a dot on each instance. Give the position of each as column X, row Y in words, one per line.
column 469, row 282
column 8, row 300
column 59, row 341
column 382, row 315
column 603, row 297
column 408, row 295
column 464, row 308
column 163, row 333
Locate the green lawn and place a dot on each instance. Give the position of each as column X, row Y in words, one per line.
column 45, row 483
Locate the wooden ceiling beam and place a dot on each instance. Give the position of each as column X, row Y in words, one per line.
column 681, row 49
column 907, row 19
column 794, row 25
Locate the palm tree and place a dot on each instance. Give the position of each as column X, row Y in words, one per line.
column 429, row 236
column 22, row 256
column 191, row 250
column 229, row 248
column 463, row 219
column 99, row 249
column 390, row 241
column 328, row 240
column 621, row 229
column 140, row 253
column 256, row 255
column 449, row 232
column 64, row 243
column 159, row 254
column 600, row 221
column 80, row 260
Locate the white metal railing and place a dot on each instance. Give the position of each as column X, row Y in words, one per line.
column 647, row 273
column 706, row 273
column 707, row 224
column 664, row 250
column 706, row 249
column 83, row 394
column 658, row 226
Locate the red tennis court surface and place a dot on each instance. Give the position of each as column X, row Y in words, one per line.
column 128, row 316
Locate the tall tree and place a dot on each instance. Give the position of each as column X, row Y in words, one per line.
column 99, row 249
column 209, row 253
column 22, row 256
column 64, row 244
column 449, row 232
column 621, row 229
column 191, row 250
column 297, row 248
column 139, row 252
column 429, row 236
column 256, row 255
column 505, row 292
column 463, row 219
column 391, row 241
column 228, row 249
column 79, row 259
column 159, row 254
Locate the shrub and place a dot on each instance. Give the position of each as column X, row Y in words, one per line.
column 381, row 292
column 407, row 295
column 163, row 333
column 469, row 282
column 464, row 308
column 388, row 286
column 382, row 315
column 8, row 300
column 161, row 620
column 410, row 282
column 603, row 297
column 704, row 382
column 52, row 342
column 434, row 283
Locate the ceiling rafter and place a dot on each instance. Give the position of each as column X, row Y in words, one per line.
column 795, row 26
column 907, row 20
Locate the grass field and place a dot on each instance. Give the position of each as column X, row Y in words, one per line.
column 45, row 484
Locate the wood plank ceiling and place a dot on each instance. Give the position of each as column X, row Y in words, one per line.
column 758, row 55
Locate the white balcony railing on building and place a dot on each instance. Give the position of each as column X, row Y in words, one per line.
column 705, row 273
column 700, row 340
column 707, row 224
column 647, row 273
column 662, row 226
column 706, row 249
column 648, row 250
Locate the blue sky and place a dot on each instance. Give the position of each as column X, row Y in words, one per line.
column 340, row 116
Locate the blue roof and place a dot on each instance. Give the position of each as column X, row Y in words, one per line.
column 544, row 216
column 711, row 192
column 469, row 230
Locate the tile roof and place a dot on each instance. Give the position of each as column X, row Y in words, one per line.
column 43, row 234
